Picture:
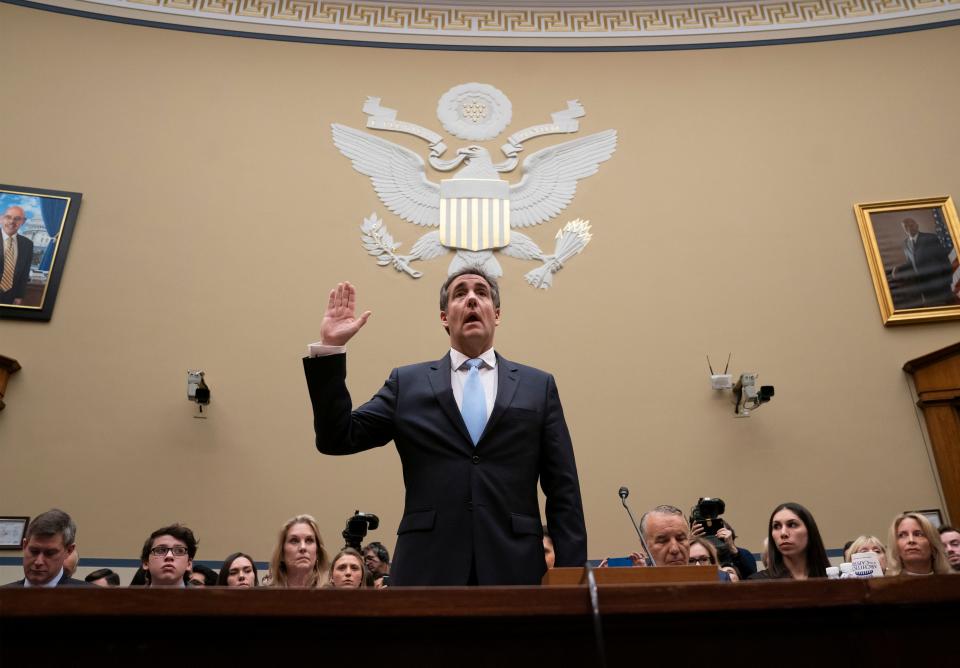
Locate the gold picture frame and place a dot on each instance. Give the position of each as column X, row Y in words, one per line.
column 912, row 248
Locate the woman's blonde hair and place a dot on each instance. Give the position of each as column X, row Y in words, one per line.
column 938, row 558
column 863, row 542
column 278, row 569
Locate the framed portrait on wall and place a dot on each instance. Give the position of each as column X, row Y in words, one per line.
column 911, row 248
column 36, row 225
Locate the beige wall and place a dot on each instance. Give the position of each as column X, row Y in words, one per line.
column 217, row 213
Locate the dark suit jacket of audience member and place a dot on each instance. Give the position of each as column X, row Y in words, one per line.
column 65, row 581
column 21, row 273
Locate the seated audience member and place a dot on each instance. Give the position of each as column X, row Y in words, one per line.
column 794, row 546
column 731, row 572
column 915, row 547
column 667, row 534
column 103, row 577
column 71, row 562
column 299, row 559
column 377, row 560
column 867, row 544
column 139, row 578
column 703, row 553
column 201, row 576
column 238, row 570
column 167, row 555
column 50, row 539
column 950, row 538
column 728, row 554
column 348, row 571
column 549, row 556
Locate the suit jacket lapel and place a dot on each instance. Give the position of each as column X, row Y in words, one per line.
column 439, row 375
column 506, row 387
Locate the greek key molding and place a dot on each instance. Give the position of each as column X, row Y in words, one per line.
column 461, row 20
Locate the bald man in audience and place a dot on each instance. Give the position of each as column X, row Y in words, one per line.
column 667, row 534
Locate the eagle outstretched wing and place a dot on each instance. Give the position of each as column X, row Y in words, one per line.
column 397, row 174
column 550, row 177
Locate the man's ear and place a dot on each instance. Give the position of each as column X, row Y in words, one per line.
column 496, row 317
column 71, row 548
column 443, row 321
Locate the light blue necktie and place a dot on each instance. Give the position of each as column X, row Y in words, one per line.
column 474, row 406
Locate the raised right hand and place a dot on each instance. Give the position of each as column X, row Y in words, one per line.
column 339, row 320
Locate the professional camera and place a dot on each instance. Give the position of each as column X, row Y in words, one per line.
column 357, row 527
column 707, row 512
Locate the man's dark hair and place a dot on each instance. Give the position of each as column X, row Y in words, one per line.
column 112, row 578
column 817, row 561
column 209, row 575
column 179, row 532
column 51, row 523
column 945, row 529
column 474, row 271
column 380, row 550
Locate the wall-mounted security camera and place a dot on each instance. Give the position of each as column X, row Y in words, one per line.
column 748, row 396
column 197, row 390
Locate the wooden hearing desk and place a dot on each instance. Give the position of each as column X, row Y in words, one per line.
column 884, row 622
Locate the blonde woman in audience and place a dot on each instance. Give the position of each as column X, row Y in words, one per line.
column 348, row 570
column 299, row 559
column 868, row 544
column 915, row 547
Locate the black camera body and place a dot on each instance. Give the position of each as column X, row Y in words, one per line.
column 357, row 527
column 707, row 512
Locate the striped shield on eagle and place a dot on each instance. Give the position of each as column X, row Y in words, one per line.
column 474, row 213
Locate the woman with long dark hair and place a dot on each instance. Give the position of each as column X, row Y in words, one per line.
column 794, row 546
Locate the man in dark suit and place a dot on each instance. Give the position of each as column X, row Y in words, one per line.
column 16, row 257
column 926, row 275
column 49, row 540
column 475, row 432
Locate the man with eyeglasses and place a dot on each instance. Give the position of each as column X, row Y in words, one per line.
column 17, row 254
column 167, row 555
column 377, row 560
column 50, row 538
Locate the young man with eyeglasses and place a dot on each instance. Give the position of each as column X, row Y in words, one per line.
column 167, row 555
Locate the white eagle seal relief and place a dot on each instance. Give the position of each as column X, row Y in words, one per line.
column 475, row 213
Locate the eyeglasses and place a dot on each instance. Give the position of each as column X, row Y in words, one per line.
column 161, row 551
column 698, row 561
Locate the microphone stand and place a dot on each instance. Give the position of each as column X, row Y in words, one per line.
column 648, row 560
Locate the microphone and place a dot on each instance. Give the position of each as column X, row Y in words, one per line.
column 624, row 493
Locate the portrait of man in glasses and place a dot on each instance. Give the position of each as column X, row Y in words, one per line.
column 167, row 556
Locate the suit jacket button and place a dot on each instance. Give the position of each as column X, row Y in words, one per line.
column 476, row 460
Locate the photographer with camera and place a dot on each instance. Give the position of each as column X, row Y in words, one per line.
column 705, row 521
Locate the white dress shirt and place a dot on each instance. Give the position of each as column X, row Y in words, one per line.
column 488, row 376
column 50, row 584
column 458, row 372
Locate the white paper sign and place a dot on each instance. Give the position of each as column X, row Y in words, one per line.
column 866, row 565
